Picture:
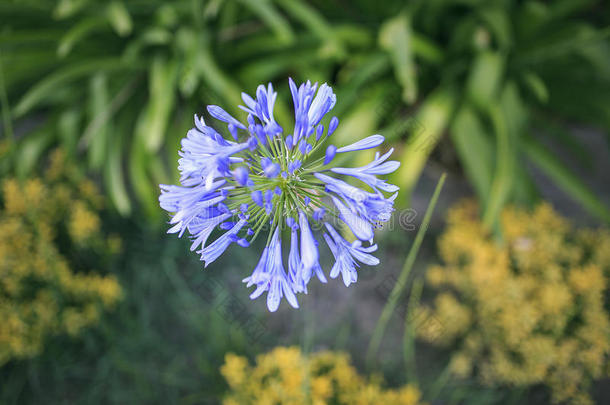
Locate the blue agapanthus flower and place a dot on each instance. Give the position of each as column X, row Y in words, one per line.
column 266, row 180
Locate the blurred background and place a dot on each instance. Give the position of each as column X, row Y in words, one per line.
column 506, row 301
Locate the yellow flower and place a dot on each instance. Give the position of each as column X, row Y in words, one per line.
column 528, row 309
column 321, row 389
column 42, row 295
column 14, row 200
column 83, row 222
column 234, row 369
column 286, row 376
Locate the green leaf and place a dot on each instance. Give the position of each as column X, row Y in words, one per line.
column 257, row 71
column 499, row 23
column 31, row 147
column 561, row 134
column 46, row 87
column 180, row 126
column 272, row 18
column 68, row 128
column 398, row 126
column 432, row 118
column 425, row 49
column 596, row 52
column 504, row 170
column 23, row 67
column 485, row 77
column 395, row 37
column 67, row 8
column 5, row 107
column 152, row 122
column 353, row 35
column 536, row 85
column 525, row 191
column 475, row 150
column 98, row 102
column 565, row 179
column 188, row 75
column 508, row 118
column 119, row 18
column 366, row 70
column 216, row 78
column 83, row 28
column 102, row 116
column 311, row 18
column 146, row 191
column 532, row 16
column 42, row 35
column 570, row 38
column 113, row 175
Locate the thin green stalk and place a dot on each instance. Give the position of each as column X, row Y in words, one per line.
column 308, row 330
column 439, row 384
column 408, row 343
column 6, row 110
column 401, row 284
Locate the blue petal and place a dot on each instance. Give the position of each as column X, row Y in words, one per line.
column 272, row 170
column 249, row 102
column 201, row 228
column 334, row 123
column 324, row 101
column 269, row 275
column 309, row 249
column 220, row 114
column 330, row 154
column 216, row 248
column 294, row 262
column 367, row 143
column 241, row 175
column 361, row 228
column 257, row 198
column 346, row 255
column 318, row 213
column 319, row 132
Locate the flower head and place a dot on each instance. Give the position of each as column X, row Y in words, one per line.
column 265, row 177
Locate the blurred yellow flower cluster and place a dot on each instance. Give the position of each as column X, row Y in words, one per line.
column 286, row 376
column 528, row 309
column 43, row 221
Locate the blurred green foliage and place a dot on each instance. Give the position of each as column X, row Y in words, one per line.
column 118, row 82
column 162, row 344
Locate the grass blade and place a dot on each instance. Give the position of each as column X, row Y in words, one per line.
column 408, row 342
column 401, row 283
